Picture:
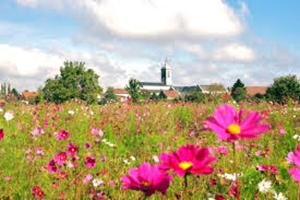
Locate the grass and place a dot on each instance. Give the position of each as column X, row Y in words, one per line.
column 141, row 131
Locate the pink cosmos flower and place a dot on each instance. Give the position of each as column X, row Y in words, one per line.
column 97, row 132
column 37, row 131
column 87, row 178
column 60, row 158
column 62, row 135
column 1, row 134
column 148, row 179
column 72, row 150
column 52, row 168
column 294, row 158
column 230, row 124
column 188, row 159
column 37, row 192
column 90, row 162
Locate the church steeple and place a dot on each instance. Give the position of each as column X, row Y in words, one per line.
column 166, row 73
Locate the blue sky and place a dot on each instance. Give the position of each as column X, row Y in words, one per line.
column 206, row 40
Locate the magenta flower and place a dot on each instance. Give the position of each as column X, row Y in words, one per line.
column 90, row 162
column 72, row 150
column 230, row 124
column 52, row 168
column 148, row 179
column 62, row 135
column 294, row 158
column 1, row 134
column 60, row 158
column 188, row 159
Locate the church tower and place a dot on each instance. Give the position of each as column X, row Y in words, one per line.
column 166, row 73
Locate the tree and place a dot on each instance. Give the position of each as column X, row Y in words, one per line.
column 238, row 91
column 15, row 92
column 283, row 89
column 197, row 97
column 109, row 96
column 74, row 82
column 134, row 89
column 162, row 95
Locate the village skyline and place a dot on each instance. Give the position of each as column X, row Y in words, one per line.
column 242, row 39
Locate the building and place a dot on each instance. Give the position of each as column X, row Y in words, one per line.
column 29, row 96
column 254, row 90
column 122, row 94
column 165, row 83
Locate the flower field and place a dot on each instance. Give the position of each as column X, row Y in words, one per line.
column 153, row 150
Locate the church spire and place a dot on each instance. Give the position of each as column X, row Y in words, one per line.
column 166, row 73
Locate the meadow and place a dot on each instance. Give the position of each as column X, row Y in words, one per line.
column 75, row 151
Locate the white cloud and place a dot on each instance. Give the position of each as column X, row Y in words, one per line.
column 234, row 53
column 154, row 18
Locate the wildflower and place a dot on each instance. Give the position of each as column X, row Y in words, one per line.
column 37, row 131
column 268, row 168
column 231, row 125
column 155, row 158
column 62, row 135
column 97, row 182
column 294, row 158
column 60, row 158
column 39, row 151
column 71, row 112
column 265, row 186
column 126, row 161
column 87, row 178
column 1, row 134
column 37, row 192
column 72, row 150
column 9, row 115
column 188, row 159
column 279, row 196
column 132, row 158
column 97, row 132
column 234, row 190
column 52, row 168
column 230, row 177
column 90, row 162
column 148, row 179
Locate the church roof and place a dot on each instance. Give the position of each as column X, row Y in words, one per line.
column 188, row 89
column 152, row 84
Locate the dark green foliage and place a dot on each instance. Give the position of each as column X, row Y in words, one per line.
column 15, row 92
column 74, row 82
column 109, row 96
column 154, row 96
column 238, row 91
column 134, row 89
column 162, row 95
column 197, row 97
column 283, row 89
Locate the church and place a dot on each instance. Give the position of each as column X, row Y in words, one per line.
column 166, row 86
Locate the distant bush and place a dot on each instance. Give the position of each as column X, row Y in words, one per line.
column 283, row 89
column 109, row 96
column 197, row 97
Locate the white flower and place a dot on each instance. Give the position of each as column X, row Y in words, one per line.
column 126, row 161
column 155, row 158
column 9, row 115
column 71, row 112
column 70, row 164
column 295, row 137
column 265, row 186
column 132, row 158
column 97, row 182
column 230, row 177
column 279, row 196
column 1, row 109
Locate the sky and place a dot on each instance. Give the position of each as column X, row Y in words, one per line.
column 206, row 41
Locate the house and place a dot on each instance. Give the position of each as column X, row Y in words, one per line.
column 171, row 94
column 122, row 94
column 213, row 89
column 254, row 90
column 29, row 96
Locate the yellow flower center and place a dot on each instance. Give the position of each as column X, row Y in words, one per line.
column 146, row 183
column 234, row 129
column 185, row 165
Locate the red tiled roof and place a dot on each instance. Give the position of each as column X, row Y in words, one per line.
column 171, row 93
column 29, row 95
column 253, row 90
column 120, row 91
